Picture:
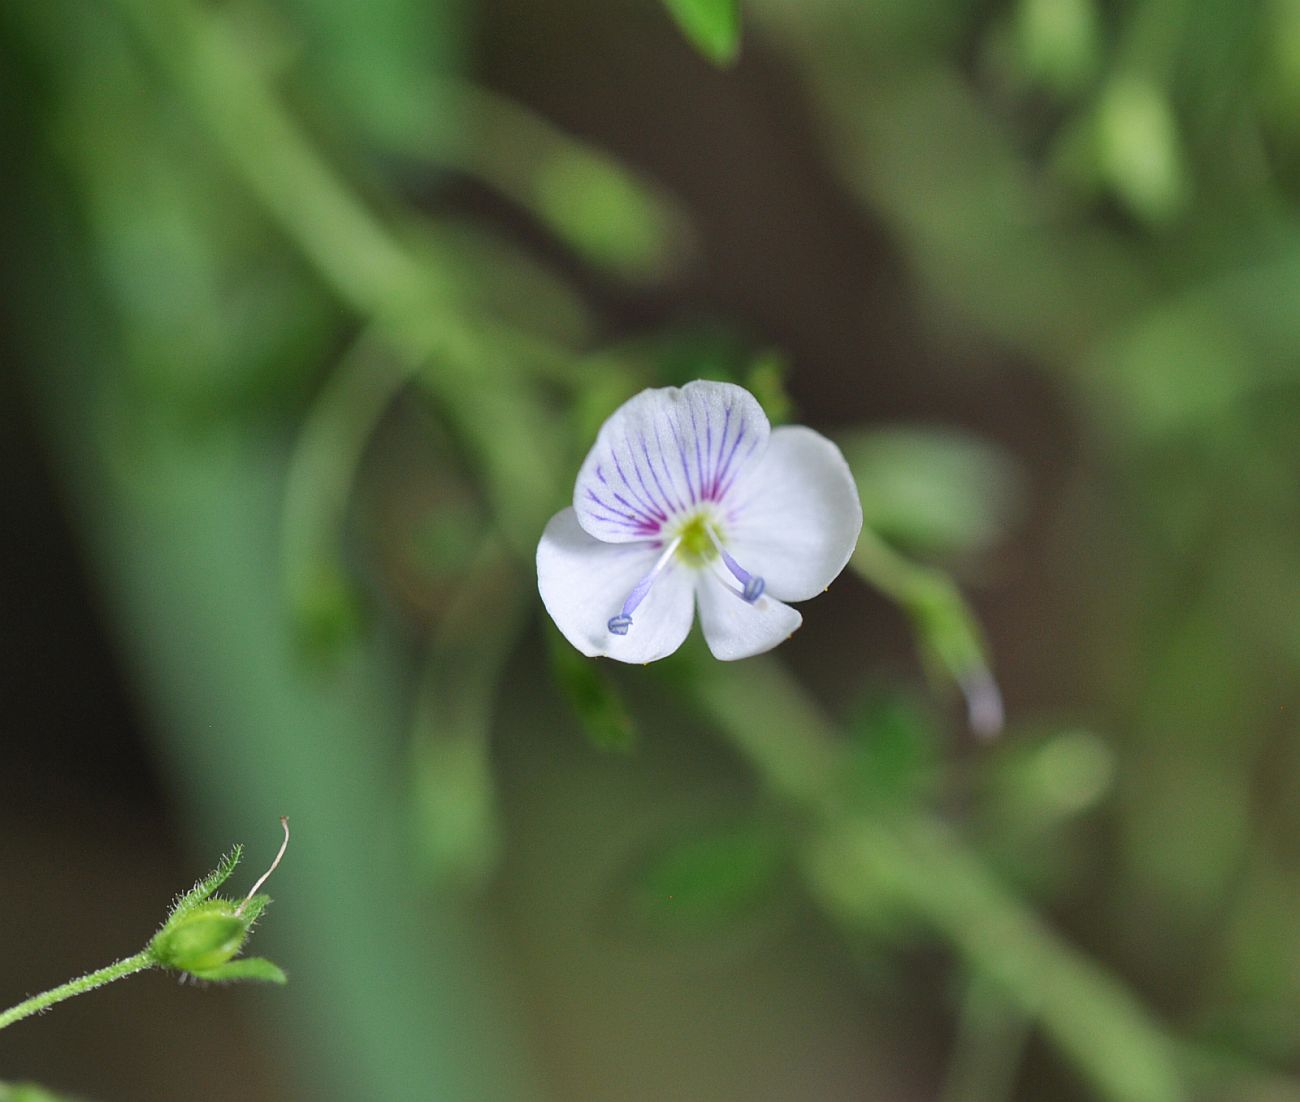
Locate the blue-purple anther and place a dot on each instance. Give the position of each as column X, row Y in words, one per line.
column 752, row 584
column 618, row 625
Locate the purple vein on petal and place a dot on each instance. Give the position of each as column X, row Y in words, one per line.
column 649, row 503
column 635, row 519
column 733, row 475
column 709, row 448
column 647, row 518
column 724, row 465
column 638, row 528
column 675, row 506
column 681, row 455
column 649, row 508
column 636, row 462
column 699, row 461
column 715, row 461
column 633, row 513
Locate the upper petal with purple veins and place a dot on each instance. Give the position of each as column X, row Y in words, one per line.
column 665, row 454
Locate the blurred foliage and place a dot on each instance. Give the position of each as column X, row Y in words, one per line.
column 29, row 1092
column 245, row 298
column 707, row 879
column 932, row 493
column 713, row 26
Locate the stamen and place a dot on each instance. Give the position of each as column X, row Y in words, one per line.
column 618, row 625
column 752, row 584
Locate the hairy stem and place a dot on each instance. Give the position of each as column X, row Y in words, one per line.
column 127, row 967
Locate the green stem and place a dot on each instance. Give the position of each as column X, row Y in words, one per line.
column 127, row 967
column 406, row 294
column 858, row 863
column 346, row 243
column 991, row 1036
column 325, row 460
column 946, row 629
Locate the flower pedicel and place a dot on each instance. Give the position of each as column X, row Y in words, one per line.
column 690, row 497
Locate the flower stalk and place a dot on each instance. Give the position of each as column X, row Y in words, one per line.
column 201, row 937
column 128, row 966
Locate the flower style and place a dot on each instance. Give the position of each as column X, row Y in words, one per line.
column 689, row 496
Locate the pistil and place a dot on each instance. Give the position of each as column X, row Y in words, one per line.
column 619, row 624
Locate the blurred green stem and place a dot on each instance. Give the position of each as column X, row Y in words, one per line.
column 346, row 243
column 142, row 961
column 404, row 294
column 326, row 456
column 945, row 626
column 856, row 863
column 991, row 1035
column 457, row 833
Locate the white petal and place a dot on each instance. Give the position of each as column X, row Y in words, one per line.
column 584, row 582
column 665, row 452
column 796, row 517
column 735, row 629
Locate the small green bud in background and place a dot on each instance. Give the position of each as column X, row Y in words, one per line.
column 1139, row 153
column 765, row 380
column 712, row 26
column 1057, row 43
column 614, row 219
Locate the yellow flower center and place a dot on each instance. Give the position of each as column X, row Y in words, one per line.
column 697, row 547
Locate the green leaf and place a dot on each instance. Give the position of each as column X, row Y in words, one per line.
column 612, row 218
column 895, row 751
column 699, row 884
column 934, row 491
column 247, row 968
column 29, row 1092
column 713, row 26
column 596, row 703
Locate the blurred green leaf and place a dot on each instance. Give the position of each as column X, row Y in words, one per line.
column 454, row 798
column 246, row 968
column 766, row 380
column 713, row 26
column 1058, row 42
column 932, row 491
column 328, row 611
column 610, row 217
column 30, row 1092
column 947, row 632
column 596, row 702
column 895, row 751
column 706, row 882
column 380, row 60
column 1139, row 150
column 1032, row 796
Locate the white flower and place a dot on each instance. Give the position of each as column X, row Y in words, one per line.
column 689, row 496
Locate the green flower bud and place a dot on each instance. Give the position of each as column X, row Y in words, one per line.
column 205, row 937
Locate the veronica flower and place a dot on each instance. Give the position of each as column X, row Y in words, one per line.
column 687, row 498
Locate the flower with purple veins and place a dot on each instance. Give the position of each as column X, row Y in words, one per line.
column 690, row 497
